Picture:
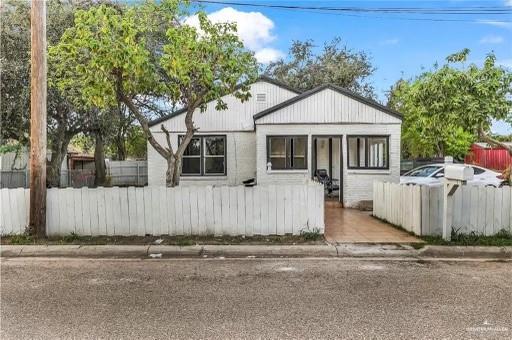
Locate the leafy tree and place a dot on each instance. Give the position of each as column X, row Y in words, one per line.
column 136, row 143
column 65, row 117
column 336, row 64
column 15, row 80
column 109, row 55
column 447, row 108
column 424, row 135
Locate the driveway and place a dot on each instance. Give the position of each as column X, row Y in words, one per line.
column 355, row 226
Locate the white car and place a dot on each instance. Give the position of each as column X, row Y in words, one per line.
column 433, row 173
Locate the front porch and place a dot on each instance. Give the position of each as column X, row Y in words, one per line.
column 344, row 225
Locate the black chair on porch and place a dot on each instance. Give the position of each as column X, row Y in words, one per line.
column 329, row 184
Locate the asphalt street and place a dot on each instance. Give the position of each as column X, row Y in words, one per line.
column 254, row 298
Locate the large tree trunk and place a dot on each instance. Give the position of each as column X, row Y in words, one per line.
column 119, row 140
column 59, row 151
column 173, row 173
column 120, row 146
column 99, row 161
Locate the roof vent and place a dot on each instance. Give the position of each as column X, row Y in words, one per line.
column 261, row 97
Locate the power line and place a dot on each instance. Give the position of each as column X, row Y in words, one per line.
column 399, row 10
column 395, row 11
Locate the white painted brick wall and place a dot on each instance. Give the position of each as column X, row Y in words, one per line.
column 241, row 161
column 357, row 184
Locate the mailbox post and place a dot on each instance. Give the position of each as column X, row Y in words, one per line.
column 454, row 176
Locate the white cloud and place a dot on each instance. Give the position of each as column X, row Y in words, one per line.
column 504, row 62
column 508, row 2
column 267, row 55
column 393, row 41
column 253, row 28
column 496, row 23
column 491, row 39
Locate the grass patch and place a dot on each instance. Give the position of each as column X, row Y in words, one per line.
column 500, row 239
column 71, row 238
column 20, row 239
column 310, row 237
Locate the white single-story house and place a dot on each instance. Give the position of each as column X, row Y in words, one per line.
column 283, row 136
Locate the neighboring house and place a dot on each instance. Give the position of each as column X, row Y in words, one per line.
column 282, row 136
column 488, row 156
column 80, row 161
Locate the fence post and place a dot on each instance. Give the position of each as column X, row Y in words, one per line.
column 138, row 174
column 26, row 177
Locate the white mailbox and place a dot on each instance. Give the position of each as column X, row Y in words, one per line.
column 458, row 172
column 455, row 175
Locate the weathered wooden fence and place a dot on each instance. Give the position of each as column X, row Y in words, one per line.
column 185, row 210
column 119, row 173
column 418, row 208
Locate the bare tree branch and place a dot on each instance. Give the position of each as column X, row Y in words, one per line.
column 493, row 141
column 168, row 138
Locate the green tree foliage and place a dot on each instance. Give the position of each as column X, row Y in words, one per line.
column 106, row 54
column 65, row 117
column 136, row 143
column 15, row 79
column 448, row 108
column 303, row 69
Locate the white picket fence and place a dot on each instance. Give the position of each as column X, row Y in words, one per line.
column 483, row 210
column 185, row 210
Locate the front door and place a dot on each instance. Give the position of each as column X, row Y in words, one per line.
column 327, row 164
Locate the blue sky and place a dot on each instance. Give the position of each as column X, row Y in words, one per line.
column 399, row 47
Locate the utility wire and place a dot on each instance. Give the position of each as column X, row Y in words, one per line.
column 415, row 10
column 360, row 11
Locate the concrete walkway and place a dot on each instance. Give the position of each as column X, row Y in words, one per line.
column 355, row 226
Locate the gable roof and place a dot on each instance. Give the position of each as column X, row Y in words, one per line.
column 260, row 78
column 338, row 89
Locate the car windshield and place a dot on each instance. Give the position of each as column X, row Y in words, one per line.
column 425, row 171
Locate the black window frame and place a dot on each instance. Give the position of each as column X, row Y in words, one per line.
column 288, row 166
column 367, row 153
column 202, row 156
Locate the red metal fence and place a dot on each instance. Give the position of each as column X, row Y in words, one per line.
column 496, row 158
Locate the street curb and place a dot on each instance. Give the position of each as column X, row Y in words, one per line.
column 158, row 251
column 466, row 252
column 269, row 251
column 97, row 251
column 257, row 251
column 375, row 250
column 167, row 251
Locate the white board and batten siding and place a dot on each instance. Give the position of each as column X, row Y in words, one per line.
column 419, row 209
column 328, row 106
column 238, row 116
column 195, row 210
